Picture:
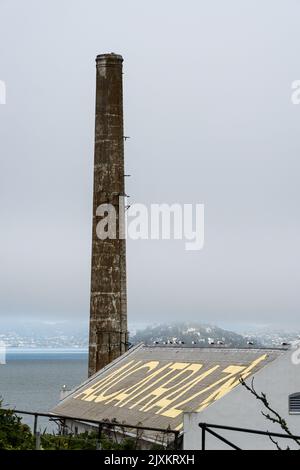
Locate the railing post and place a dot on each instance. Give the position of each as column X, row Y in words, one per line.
column 64, row 427
column 203, row 436
column 37, row 441
column 98, row 444
column 176, row 443
column 35, row 424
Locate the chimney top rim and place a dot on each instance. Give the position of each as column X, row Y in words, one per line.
column 111, row 57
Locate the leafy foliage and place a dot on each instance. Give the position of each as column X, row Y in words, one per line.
column 84, row 441
column 13, row 433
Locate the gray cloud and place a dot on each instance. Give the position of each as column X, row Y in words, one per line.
column 207, row 106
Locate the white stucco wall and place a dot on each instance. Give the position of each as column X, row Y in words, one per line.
column 239, row 408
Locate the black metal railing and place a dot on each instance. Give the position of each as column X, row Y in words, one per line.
column 168, row 438
column 210, row 429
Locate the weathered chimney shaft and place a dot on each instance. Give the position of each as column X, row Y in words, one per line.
column 108, row 314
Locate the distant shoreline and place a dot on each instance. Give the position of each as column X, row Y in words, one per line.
column 46, row 350
column 28, row 354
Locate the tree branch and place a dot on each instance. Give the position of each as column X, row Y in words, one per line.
column 276, row 418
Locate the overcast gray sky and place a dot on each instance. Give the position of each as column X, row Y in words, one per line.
column 207, row 87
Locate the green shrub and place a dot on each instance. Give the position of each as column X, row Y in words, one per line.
column 14, row 435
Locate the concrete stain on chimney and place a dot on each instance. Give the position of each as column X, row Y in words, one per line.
column 108, row 309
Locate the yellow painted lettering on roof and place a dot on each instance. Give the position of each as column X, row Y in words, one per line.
column 230, row 384
column 139, row 387
column 189, row 371
column 172, row 397
column 177, row 409
column 88, row 393
column 103, row 395
column 253, row 364
column 225, row 388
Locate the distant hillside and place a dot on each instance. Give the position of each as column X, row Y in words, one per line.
column 200, row 334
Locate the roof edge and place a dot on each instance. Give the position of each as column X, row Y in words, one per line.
column 104, row 369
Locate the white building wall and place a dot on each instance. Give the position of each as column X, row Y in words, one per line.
column 241, row 409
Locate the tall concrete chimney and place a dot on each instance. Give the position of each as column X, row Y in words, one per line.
column 108, row 314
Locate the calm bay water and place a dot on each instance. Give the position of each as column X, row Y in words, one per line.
column 32, row 381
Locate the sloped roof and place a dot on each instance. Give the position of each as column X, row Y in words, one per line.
column 152, row 386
